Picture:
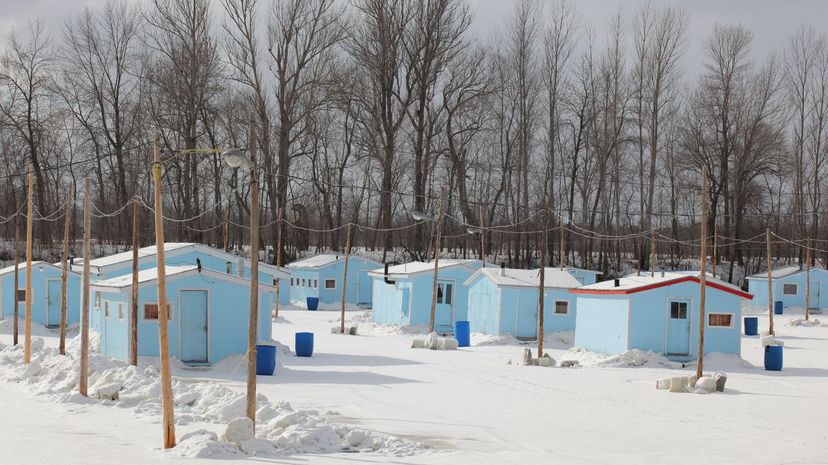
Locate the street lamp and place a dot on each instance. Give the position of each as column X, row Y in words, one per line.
column 419, row 216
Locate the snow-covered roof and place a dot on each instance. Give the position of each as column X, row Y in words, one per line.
column 782, row 272
column 170, row 248
column 407, row 269
column 150, row 275
column 554, row 278
column 581, row 270
column 22, row 267
column 632, row 284
column 323, row 260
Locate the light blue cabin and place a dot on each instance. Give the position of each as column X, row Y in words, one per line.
column 320, row 276
column 658, row 314
column 789, row 286
column 585, row 277
column 187, row 254
column 46, row 293
column 208, row 313
column 505, row 301
column 404, row 295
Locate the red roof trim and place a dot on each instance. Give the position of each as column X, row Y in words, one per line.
column 648, row 287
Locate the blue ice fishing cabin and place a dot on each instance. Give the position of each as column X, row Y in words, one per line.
column 505, row 301
column 46, row 293
column 321, row 276
column 403, row 295
column 208, row 313
column 658, row 313
column 789, row 285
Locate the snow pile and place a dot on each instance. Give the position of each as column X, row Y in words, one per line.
column 555, row 340
column 367, row 326
column 630, row 358
column 804, row 322
column 729, row 362
column 280, row 429
column 325, row 307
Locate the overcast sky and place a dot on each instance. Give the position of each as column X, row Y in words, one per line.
column 772, row 21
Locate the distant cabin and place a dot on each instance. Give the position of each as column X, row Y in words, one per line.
column 320, row 276
column 403, row 296
column 505, row 301
column 208, row 313
column 659, row 314
column 789, row 286
column 583, row 276
column 187, row 254
column 46, row 293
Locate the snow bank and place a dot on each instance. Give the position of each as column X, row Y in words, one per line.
column 367, row 326
column 280, row 429
column 630, row 358
column 554, row 340
column 303, row 305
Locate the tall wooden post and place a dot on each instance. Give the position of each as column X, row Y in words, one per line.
column 563, row 240
column 702, row 276
column 27, row 342
column 541, row 277
column 65, row 270
column 482, row 238
column 227, row 228
column 253, row 318
column 438, row 229
column 16, row 310
column 345, row 281
column 808, row 253
column 653, row 259
column 87, row 256
column 163, row 318
column 770, row 283
column 133, row 311
column 278, row 260
column 715, row 249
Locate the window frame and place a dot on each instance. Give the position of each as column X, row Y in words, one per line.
column 106, row 308
column 121, row 310
column 155, row 302
column 795, row 286
column 728, row 314
column 97, row 300
column 686, row 304
column 17, row 294
column 330, row 280
column 555, row 307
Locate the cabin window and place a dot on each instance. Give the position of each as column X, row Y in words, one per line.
column 789, row 289
column 444, row 293
column 229, row 266
column 106, row 308
column 561, row 307
column 721, row 320
column 120, row 310
column 275, row 281
column 303, row 282
column 21, row 295
column 678, row 310
column 315, row 284
column 291, row 281
column 97, row 299
column 330, row 284
column 151, row 311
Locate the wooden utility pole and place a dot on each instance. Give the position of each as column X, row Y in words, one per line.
column 65, row 270
column 482, row 238
column 278, row 259
column 638, row 255
column 345, row 281
column 770, row 283
column 438, row 229
column 133, row 311
column 715, row 248
column 163, row 318
column 227, row 228
column 541, row 276
column 808, row 279
column 253, row 317
column 27, row 342
column 653, row 259
column 16, row 322
column 87, row 255
column 563, row 239
column 702, row 275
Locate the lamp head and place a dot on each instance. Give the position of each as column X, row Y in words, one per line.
column 421, row 216
column 235, row 158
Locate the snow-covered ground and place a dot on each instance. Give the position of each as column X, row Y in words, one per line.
column 474, row 405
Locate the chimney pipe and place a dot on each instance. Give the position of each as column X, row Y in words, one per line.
column 502, row 268
column 662, row 271
column 617, row 282
column 385, row 278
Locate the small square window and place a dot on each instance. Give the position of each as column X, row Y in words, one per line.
column 722, row 320
column 97, row 299
column 151, row 311
column 561, row 307
column 21, row 295
column 229, row 266
column 789, row 289
column 678, row 310
column 330, row 284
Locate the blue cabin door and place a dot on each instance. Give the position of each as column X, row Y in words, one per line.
column 194, row 326
column 53, row 291
column 813, row 299
column 527, row 320
column 678, row 328
column 444, row 310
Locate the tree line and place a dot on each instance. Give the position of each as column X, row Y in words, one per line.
column 365, row 109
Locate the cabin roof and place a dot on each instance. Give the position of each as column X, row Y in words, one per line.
column 323, row 260
column 100, row 264
column 22, row 266
column 150, row 275
column 632, row 284
column 412, row 268
column 554, row 278
column 782, row 272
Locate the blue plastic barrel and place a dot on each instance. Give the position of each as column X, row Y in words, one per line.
column 313, row 303
column 265, row 360
column 773, row 358
column 777, row 307
column 751, row 326
column 462, row 333
column 304, row 344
